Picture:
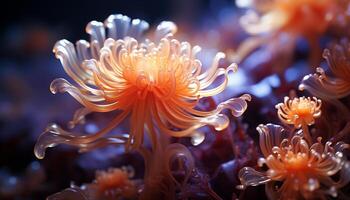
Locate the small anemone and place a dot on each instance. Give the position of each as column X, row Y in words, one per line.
column 114, row 183
column 297, row 170
column 299, row 111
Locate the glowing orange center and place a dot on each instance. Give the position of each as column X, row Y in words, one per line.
column 296, row 162
column 303, row 109
column 112, row 180
column 302, row 14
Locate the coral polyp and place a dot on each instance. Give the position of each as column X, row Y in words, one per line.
column 304, row 171
column 155, row 82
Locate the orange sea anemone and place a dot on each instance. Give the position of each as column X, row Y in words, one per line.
column 156, row 82
column 297, row 170
column 338, row 86
column 270, row 21
column 292, row 16
column 299, row 111
column 114, row 183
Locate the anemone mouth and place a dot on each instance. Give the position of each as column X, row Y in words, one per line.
column 299, row 111
column 296, row 162
column 162, row 68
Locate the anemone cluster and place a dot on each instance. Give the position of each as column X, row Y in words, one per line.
column 157, row 86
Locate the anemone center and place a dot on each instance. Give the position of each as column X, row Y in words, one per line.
column 296, row 162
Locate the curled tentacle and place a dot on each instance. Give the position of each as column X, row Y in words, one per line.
column 55, row 135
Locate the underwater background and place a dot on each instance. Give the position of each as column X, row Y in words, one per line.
column 272, row 70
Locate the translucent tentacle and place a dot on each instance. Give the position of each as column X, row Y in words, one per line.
column 61, row 85
column 103, row 142
column 137, row 28
column 79, row 117
column 97, row 33
column 237, row 106
column 320, row 85
column 222, row 86
column 73, row 192
column 165, row 29
column 247, row 47
column 54, row 135
column 175, row 151
column 65, row 51
column 250, row 177
column 118, row 26
column 214, row 118
column 269, row 22
column 207, row 75
column 270, row 135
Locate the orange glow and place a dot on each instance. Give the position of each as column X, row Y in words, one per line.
column 293, row 16
column 295, row 162
column 114, row 183
column 271, row 22
column 113, row 178
column 302, row 14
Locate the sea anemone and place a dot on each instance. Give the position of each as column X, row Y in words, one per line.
column 292, row 16
column 297, row 170
column 155, row 82
column 338, row 86
column 299, row 111
column 332, row 88
column 279, row 23
column 114, row 183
